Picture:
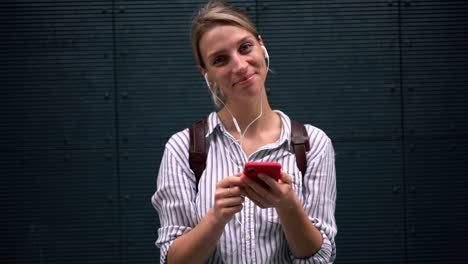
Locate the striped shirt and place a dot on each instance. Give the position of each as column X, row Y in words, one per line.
column 253, row 235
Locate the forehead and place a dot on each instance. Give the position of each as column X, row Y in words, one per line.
column 222, row 37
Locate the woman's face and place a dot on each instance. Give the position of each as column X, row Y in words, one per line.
column 235, row 61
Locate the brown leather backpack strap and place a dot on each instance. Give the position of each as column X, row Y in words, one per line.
column 300, row 145
column 198, row 148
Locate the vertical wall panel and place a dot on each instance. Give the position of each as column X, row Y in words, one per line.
column 139, row 167
column 57, row 74
column 435, row 68
column 369, row 212
column 59, row 207
column 437, row 200
column 435, row 81
column 58, row 177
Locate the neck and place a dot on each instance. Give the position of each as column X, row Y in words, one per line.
column 245, row 113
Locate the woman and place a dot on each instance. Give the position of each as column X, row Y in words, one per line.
column 229, row 218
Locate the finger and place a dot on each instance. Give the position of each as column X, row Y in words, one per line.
column 286, row 178
column 234, row 191
column 234, row 180
column 268, row 180
column 229, row 202
column 230, row 191
column 254, row 185
column 256, row 192
column 242, row 192
column 229, row 212
column 256, row 198
column 255, row 195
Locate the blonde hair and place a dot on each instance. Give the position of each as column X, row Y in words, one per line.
column 216, row 13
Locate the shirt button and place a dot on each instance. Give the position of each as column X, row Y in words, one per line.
column 247, row 237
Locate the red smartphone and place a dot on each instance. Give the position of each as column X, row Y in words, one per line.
column 272, row 169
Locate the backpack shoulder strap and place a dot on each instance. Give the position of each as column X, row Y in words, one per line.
column 198, row 148
column 300, row 145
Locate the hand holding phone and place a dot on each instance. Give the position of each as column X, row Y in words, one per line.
column 272, row 169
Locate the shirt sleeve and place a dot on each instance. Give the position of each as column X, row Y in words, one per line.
column 174, row 199
column 320, row 195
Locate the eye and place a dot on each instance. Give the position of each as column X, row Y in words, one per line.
column 245, row 48
column 219, row 60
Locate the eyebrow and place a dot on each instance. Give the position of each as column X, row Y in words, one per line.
column 214, row 54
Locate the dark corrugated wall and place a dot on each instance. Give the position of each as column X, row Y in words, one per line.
column 91, row 90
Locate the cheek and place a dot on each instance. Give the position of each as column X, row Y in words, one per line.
column 224, row 77
column 261, row 62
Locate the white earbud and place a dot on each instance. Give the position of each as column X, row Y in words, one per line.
column 206, row 80
column 266, row 53
column 267, row 57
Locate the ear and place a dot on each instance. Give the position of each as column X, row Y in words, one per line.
column 260, row 40
column 201, row 70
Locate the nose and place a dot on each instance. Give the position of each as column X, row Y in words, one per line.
column 239, row 63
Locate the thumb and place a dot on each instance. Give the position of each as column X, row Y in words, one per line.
column 285, row 178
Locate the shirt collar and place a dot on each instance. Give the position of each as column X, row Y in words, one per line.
column 214, row 123
column 285, row 135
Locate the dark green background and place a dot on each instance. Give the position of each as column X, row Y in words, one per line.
column 91, row 90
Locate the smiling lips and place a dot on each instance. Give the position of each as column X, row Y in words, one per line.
column 245, row 80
